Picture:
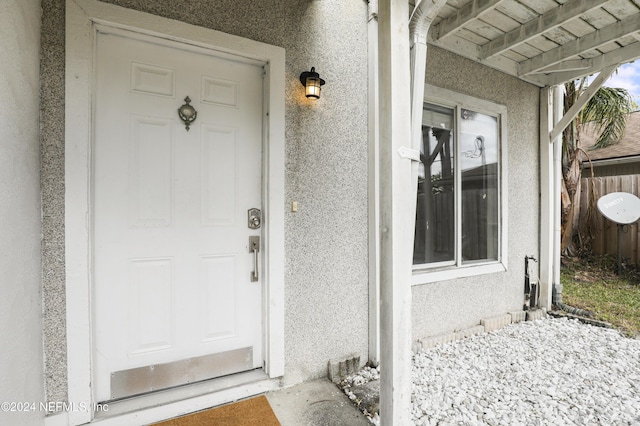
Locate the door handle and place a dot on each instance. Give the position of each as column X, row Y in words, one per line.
column 254, row 246
column 255, row 218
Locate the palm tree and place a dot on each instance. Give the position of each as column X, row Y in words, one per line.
column 608, row 110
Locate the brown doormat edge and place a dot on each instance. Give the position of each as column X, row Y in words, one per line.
column 248, row 412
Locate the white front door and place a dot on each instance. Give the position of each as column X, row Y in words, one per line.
column 173, row 299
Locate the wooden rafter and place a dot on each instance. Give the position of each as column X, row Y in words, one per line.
column 619, row 56
column 575, row 47
column 468, row 12
column 545, row 22
column 571, row 65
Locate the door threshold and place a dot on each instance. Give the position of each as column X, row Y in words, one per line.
column 170, row 403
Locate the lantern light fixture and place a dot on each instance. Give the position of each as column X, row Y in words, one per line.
column 311, row 81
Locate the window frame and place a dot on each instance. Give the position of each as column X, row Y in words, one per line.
column 442, row 271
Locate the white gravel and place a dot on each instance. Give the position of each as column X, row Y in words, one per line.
column 545, row 372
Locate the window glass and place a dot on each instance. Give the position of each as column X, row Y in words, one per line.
column 435, row 218
column 457, row 212
column 479, row 168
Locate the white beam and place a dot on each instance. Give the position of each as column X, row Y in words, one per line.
column 374, row 188
column 582, row 101
column 571, row 65
column 545, row 22
column 468, row 12
column 558, row 108
column 396, row 221
column 572, row 48
column 471, row 50
column 467, row 49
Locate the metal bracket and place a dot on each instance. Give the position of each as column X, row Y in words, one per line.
column 409, row 154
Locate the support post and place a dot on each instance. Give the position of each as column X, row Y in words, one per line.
column 374, row 188
column 560, row 122
column 551, row 108
column 558, row 111
column 547, row 197
column 397, row 214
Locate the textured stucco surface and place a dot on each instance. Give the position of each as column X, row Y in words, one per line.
column 326, row 240
column 461, row 303
column 326, row 172
column 52, row 186
column 20, row 301
column 326, row 268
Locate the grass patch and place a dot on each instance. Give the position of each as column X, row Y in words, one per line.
column 592, row 284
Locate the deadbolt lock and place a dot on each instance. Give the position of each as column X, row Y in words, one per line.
column 255, row 218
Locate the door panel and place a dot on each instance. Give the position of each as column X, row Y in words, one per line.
column 172, row 265
column 219, row 176
column 151, row 173
column 219, row 301
column 150, row 327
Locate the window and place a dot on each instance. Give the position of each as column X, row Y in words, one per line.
column 458, row 213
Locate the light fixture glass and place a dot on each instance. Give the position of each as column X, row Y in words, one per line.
column 312, row 88
column 311, row 81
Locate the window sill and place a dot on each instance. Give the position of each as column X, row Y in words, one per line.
column 422, row 276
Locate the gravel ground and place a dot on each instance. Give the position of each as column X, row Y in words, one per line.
column 545, row 372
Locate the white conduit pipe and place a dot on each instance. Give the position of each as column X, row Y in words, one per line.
column 421, row 18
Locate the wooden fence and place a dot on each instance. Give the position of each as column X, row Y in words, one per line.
column 605, row 232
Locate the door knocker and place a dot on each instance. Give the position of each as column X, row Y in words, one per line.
column 187, row 113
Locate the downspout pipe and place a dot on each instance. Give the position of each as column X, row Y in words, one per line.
column 420, row 22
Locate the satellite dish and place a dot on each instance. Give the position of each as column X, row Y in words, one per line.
column 620, row 207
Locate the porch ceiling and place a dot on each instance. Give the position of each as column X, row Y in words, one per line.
column 545, row 42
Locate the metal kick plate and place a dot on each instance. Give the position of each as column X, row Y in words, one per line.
column 141, row 380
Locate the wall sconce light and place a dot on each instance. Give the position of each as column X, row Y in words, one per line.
column 311, row 81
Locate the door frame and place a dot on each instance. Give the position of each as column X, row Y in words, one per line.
column 82, row 16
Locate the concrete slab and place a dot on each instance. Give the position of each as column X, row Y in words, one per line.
column 315, row 403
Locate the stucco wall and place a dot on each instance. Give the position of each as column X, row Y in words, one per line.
column 52, row 187
column 20, row 301
column 461, row 303
column 326, row 171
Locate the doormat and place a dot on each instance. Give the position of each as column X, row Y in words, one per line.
column 249, row 412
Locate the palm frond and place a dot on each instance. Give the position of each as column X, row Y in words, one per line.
column 608, row 110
